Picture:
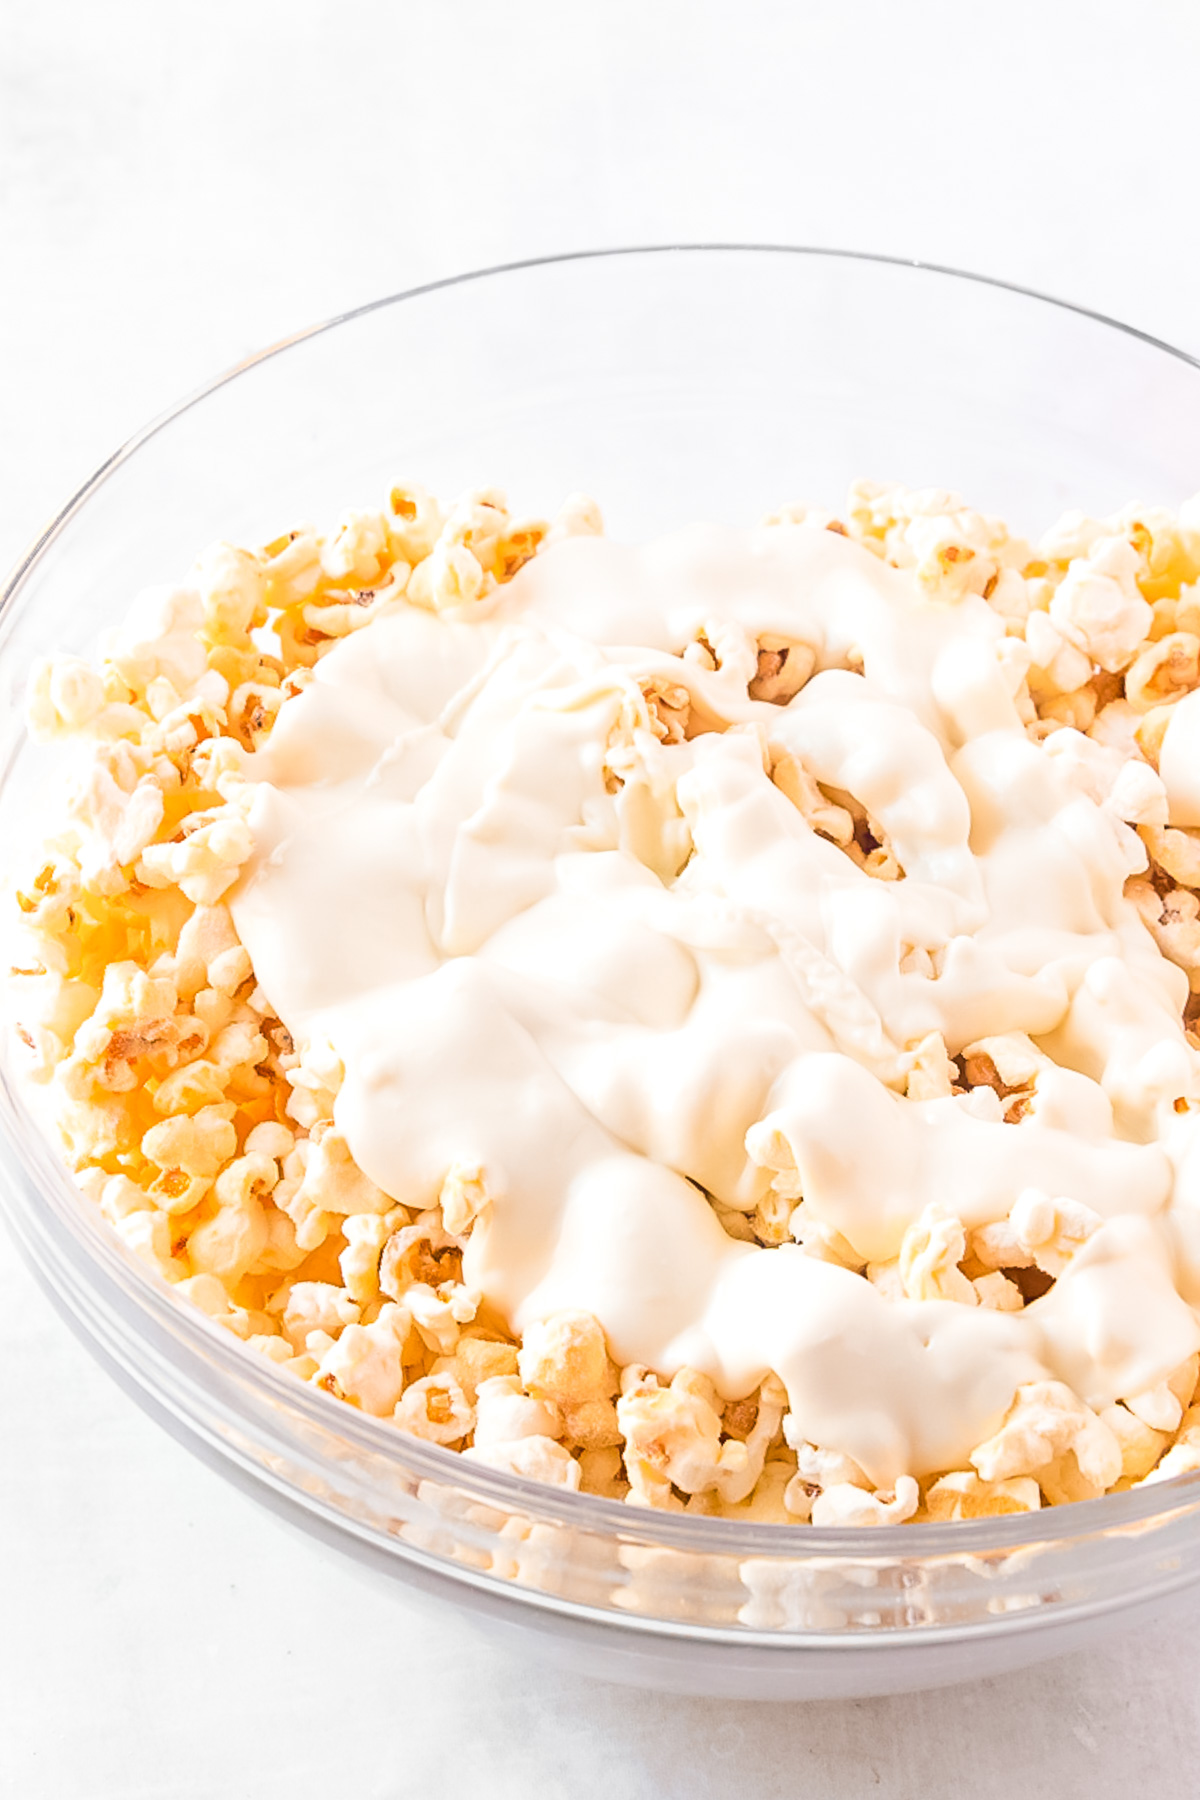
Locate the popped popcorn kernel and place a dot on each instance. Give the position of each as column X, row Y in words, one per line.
column 317, row 1306
column 848, row 1504
column 435, row 1408
column 1050, row 1434
column 503, row 1413
column 536, row 1458
column 479, row 1359
column 198, row 1145
column 929, row 1259
column 565, row 1358
column 964, row 1495
column 366, row 1364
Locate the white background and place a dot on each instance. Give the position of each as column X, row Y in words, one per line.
column 181, row 182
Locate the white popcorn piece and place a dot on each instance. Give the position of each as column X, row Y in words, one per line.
column 205, row 863
column 199, row 1145
column 439, row 1314
column 578, row 516
column 159, row 639
column 1098, row 605
column 334, row 1182
column 565, row 1358
column 270, row 1139
column 463, row 1197
column 964, row 1495
column 229, row 583
column 148, row 1235
column 1183, row 1457
column 230, row 1243
column 1049, row 1433
column 536, row 1458
column 436, row 1409
column 1141, row 1446
column 365, row 1235
column 1163, row 671
column 317, row 1306
column 816, row 1470
column 366, row 1363
column 847, row 1504
column 503, row 1414
column 1162, row 1407
column 1061, row 662
column 358, row 547
column 64, row 695
column 673, row 1440
column 1040, row 1232
column 998, row 1292
column 210, row 1295
column 1071, row 536
column 930, row 1253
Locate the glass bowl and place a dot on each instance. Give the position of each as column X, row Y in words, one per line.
column 672, row 384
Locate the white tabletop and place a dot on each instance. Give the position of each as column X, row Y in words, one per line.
column 179, row 185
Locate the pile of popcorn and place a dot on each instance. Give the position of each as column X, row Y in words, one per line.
column 208, row 1139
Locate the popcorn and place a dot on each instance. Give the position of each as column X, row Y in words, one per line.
column 463, row 1197
column 1049, row 1433
column 358, row 549
column 1163, row 671
column 230, row 1243
column 317, row 1306
column 199, row 1145
column 480, row 1359
column 1183, row 1457
column 847, row 1504
column 504, row 1413
column 205, row 863
column 816, row 1470
column 673, row 1440
column 334, row 1183
column 1162, row 1407
column 148, row 1235
column 963, row 1495
column 1038, row 1233
column 536, row 1458
column 436, row 1409
column 565, row 1359
column 1098, row 605
column 417, row 1253
column 451, row 577
column 1177, row 853
column 365, row 1235
column 438, row 1315
column 1062, row 666
column 578, row 516
column 158, row 640
column 1141, row 1446
column 929, row 1257
column 63, row 696
column 230, row 586
column 365, row 1365
column 998, row 1292
column 1173, row 920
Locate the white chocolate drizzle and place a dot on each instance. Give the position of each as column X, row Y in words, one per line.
column 621, row 974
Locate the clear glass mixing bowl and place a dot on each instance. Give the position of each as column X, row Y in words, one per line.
column 672, row 384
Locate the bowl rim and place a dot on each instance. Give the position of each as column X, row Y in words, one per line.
column 203, row 1339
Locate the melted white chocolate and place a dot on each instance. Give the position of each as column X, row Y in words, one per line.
column 611, row 1000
